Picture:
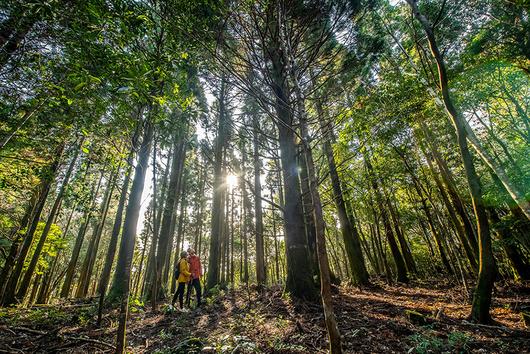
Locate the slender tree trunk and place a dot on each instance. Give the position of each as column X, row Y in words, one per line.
column 116, row 228
column 244, row 228
column 136, row 285
column 403, row 244
column 224, row 236
column 470, row 254
column 218, row 190
column 180, row 236
column 487, row 268
column 323, row 262
column 258, row 213
column 276, row 252
column 156, row 289
column 396, row 254
column 232, row 231
column 11, row 286
column 48, row 278
column 437, row 236
column 16, row 235
column 458, row 204
column 42, row 240
column 122, row 275
column 70, row 271
column 93, row 246
column 154, row 220
column 200, row 211
column 350, row 234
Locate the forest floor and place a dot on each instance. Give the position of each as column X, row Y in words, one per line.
column 418, row 318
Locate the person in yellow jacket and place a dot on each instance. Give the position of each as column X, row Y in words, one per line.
column 183, row 278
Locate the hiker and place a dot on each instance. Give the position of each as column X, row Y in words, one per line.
column 196, row 273
column 182, row 273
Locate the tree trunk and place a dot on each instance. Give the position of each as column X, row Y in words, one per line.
column 244, row 224
column 116, row 228
column 487, row 268
column 258, row 214
column 232, row 232
column 458, row 204
column 180, row 230
column 156, row 290
column 51, row 217
column 350, row 234
column 396, row 254
column 218, row 190
column 122, row 275
column 11, row 286
column 93, row 246
column 459, row 230
column 70, row 271
column 299, row 277
column 323, row 262
column 16, row 235
column 403, row 244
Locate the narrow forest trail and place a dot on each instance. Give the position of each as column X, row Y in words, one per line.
column 373, row 320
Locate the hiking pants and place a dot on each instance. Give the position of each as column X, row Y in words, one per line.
column 195, row 283
column 180, row 294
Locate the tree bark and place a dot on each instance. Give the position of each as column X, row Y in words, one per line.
column 156, row 289
column 487, row 268
column 218, row 190
column 51, row 217
column 299, row 278
column 70, row 271
column 116, row 228
column 396, row 254
column 93, row 246
column 350, row 234
column 16, row 235
column 258, row 213
column 335, row 346
column 122, row 276
column 11, row 286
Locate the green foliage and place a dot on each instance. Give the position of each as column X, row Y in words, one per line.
column 214, row 294
column 135, row 305
column 424, row 344
column 165, row 335
column 236, row 344
column 281, row 346
column 428, row 342
column 45, row 317
column 86, row 315
column 54, row 243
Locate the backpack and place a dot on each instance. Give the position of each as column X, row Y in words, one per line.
column 177, row 270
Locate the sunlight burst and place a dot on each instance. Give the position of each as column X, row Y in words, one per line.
column 231, row 181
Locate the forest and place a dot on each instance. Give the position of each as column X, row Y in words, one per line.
column 332, row 176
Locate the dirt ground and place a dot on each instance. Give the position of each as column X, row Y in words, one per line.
column 420, row 318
